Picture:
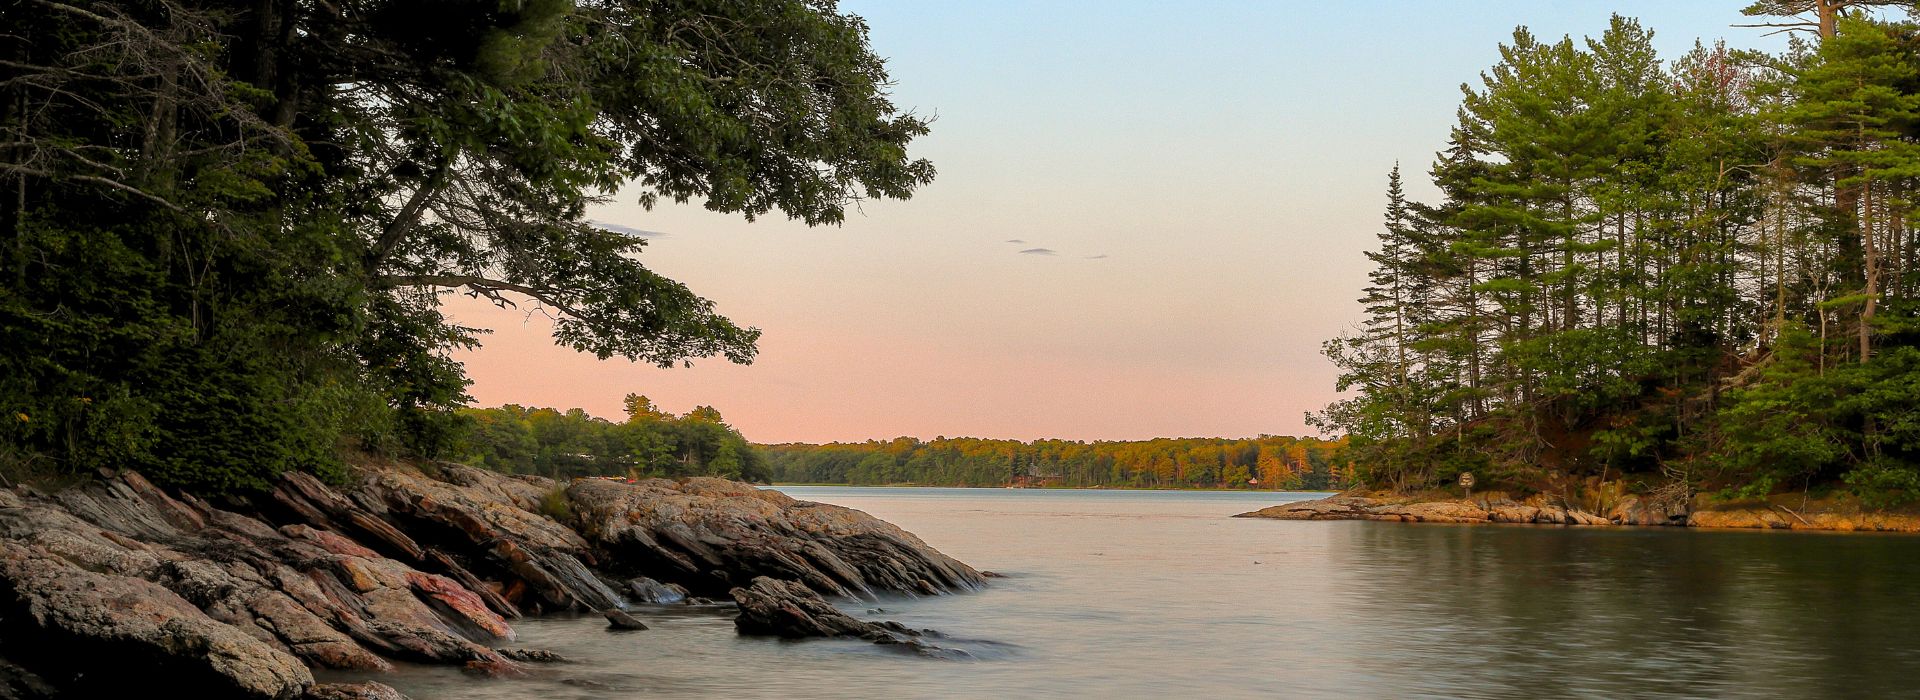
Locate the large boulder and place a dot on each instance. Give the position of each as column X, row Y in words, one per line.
column 106, row 635
column 713, row 535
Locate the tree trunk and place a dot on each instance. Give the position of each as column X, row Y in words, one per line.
column 1872, row 271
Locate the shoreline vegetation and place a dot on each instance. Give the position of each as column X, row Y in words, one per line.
column 1050, row 487
column 1689, row 280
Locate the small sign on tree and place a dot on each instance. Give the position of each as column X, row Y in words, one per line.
column 1466, row 482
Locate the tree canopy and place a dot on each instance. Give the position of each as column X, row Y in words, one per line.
column 1671, row 277
column 228, row 226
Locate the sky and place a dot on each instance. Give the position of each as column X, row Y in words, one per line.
column 1147, row 219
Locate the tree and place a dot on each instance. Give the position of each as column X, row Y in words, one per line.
column 1826, row 13
column 1636, row 269
column 229, row 226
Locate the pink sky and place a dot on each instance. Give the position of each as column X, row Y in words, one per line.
column 1228, row 159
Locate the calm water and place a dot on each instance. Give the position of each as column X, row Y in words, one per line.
column 1148, row 594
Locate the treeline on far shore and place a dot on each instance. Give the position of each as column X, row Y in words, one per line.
column 1266, row 462
column 651, row 442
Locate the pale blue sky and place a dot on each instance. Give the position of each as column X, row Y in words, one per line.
column 1228, row 157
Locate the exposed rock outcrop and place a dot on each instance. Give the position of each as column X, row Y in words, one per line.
column 1357, row 507
column 1631, row 510
column 771, row 607
column 402, row 564
column 712, row 535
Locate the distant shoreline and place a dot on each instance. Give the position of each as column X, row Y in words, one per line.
column 1754, row 514
column 1054, row 488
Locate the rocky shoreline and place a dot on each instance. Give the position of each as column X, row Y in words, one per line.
column 118, row 587
column 1631, row 510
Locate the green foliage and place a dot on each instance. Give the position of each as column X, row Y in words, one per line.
column 555, row 504
column 228, row 227
column 1697, row 274
column 566, row 444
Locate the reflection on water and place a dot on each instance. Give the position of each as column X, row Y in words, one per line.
column 1143, row 594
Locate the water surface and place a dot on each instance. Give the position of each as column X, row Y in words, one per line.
column 1124, row 594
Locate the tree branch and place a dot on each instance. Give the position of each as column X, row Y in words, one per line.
column 406, row 217
column 480, row 285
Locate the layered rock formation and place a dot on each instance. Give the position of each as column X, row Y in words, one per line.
column 712, row 535
column 1630, row 511
column 1355, row 507
column 773, row 607
column 116, row 587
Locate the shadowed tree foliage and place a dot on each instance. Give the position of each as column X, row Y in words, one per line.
column 228, row 226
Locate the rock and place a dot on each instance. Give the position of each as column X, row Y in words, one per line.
column 18, row 683
column 1357, row 507
column 424, row 566
column 77, row 619
column 1635, row 510
column 353, row 691
column 622, row 620
column 711, row 535
column 646, row 590
column 487, row 526
column 1747, row 518
column 1443, row 512
column 1339, row 507
column 533, row 656
column 788, row 609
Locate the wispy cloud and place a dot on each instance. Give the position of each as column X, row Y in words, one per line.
column 1038, row 251
column 1101, row 256
column 1015, row 240
column 629, row 230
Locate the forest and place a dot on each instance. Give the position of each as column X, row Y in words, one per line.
column 1266, row 462
column 566, row 444
column 228, row 227
column 1696, row 275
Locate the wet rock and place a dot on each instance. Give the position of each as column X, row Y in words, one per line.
column 712, row 535
column 777, row 608
column 622, row 620
column 353, row 691
column 533, row 656
column 788, row 609
column 646, row 590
